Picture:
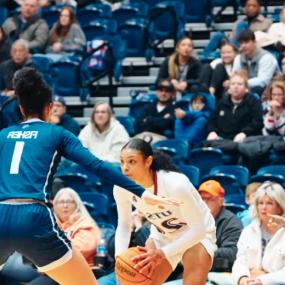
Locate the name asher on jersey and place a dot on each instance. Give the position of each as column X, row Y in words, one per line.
column 22, row 135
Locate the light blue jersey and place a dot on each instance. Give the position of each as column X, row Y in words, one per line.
column 30, row 153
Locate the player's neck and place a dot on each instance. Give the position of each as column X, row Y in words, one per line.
column 147, row 180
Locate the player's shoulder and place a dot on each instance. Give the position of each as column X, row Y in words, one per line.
column 172, row 177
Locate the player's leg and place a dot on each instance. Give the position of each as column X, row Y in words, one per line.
column 197, row 263
column 162, row 271
column 76, row 271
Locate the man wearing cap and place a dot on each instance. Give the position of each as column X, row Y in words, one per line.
column 61, row 118
column 228, row 226
column 158, row 117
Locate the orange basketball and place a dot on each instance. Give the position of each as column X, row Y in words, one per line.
column 125, row 271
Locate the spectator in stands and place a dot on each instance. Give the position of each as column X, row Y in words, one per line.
column 260, row 65
column 253, row 21
column 28, row 26
column 157, row 119
column 216, row 74
column 4, row 46
column 104, row 136
column 74, row 219
column 19, row 58
column 274, row 119
column 66, row 36
column 250, row 190
column 261, row 256
column 181, row 66
column 61, row 118
column 228, row 226
column 190, row 124
column 238, row 115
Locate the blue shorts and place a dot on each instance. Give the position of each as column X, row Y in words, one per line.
column 31, row 230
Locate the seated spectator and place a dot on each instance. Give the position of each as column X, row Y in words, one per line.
column 250, row 190
column 157, row 119
column 237, row 115
column 216, row 74
column 260, row 65
column 66, row 36
column 19, row 58
column 104, row 136
column 4, row 46
column 191, row 124
column 28, row 26
column 228, row 228
column 181, row 67
column 253, row 21
column 61, row 118
column 274, row 119
column 261, row 256
column 74, row 219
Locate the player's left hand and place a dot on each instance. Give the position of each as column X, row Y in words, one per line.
column 152, row 199
column 148, row 260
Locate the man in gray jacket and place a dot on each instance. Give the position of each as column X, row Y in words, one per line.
column 28, row 26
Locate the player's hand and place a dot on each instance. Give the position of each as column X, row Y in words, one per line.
column 148, row 260
column 152, row 199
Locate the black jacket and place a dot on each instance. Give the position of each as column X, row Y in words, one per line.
column 153, row 121
column 228, row 120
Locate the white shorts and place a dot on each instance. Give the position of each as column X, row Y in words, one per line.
column 207, row 242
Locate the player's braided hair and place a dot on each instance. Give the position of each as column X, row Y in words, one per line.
column 32, row 91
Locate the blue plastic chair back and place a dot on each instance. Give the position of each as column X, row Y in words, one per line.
column 198, row 11
column 89, row 14
column 134, row 33
column 125, row 13
column 66, row 78
column 105, row 8
column 51, row 15
column 43, row 64
column 128, row 122
column 205, row 158
column 100, row 202
column 192, row 172
column 240, row 172
column 76, row 181
column 100, row 27
column 235, row 198
column 235, row 208
column 272, row 169
column 179, row 145
column 268, row 177
column 3, row 14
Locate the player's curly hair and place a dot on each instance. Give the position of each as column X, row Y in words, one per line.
column 32, row 91
column 161, row 160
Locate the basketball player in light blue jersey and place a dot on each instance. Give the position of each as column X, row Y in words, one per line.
column 29, row 155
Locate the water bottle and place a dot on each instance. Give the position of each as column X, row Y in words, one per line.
column 101, row 253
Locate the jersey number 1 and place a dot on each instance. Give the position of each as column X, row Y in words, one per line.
column 15, row 163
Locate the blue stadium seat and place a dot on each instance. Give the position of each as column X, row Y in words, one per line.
column 76, row 181
column 3, row 14
column 235, row 208
column 192, row 172
column 235, row 198
column 89, row 14
column 272, row 169
column 274, row 173
column 66, row 80
column 198, row 11
column 179, row 146
column 105, row 8
column 166, row 20
column 240, row 172
column 43, row 64
column 134, row 33
column 51, row 15
column 100, row 27
column 97, row 203
column 228, row 181
column 205, row 158
column 125, row 13
column 128, row 122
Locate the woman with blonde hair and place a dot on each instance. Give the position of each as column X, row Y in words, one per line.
column 104, row 136
column 261, row 255
column 181, row 66
column 274, row 119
